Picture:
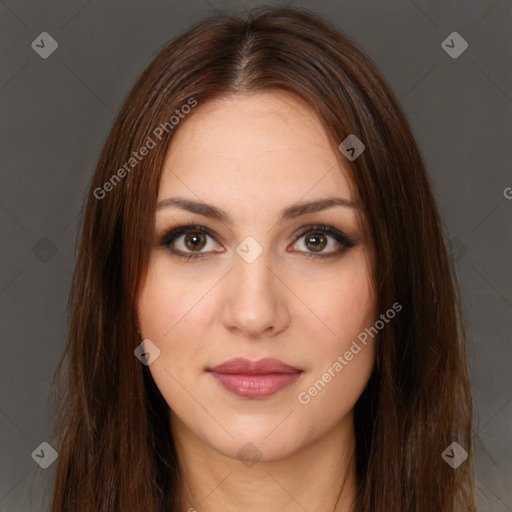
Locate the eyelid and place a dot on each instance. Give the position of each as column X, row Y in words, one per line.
column 340, row 236
column 172, row 232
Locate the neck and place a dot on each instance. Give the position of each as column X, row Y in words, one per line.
column 319, row 477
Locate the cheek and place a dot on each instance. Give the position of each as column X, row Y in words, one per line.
column 170, row 315
column 330, row 395
column 345, row 303
column 343, row 363
column 168, row 304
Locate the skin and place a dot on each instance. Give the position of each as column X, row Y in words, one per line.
column 247, row 154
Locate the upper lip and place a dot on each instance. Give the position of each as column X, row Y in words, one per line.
column 244, row 366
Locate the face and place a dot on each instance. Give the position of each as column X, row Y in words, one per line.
column 253, row 283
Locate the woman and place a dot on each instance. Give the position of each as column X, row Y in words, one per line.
column 264, row 315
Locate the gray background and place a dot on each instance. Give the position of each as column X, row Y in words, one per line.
column 56, row 114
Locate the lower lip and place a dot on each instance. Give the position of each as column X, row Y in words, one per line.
column 256, row 386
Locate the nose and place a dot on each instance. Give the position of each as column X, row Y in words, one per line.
column 255, row 299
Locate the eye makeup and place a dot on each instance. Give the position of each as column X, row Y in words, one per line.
column 323, row 231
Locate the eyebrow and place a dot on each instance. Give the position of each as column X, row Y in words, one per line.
column 291, row 212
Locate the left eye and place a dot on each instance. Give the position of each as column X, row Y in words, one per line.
column 315, row 242
column 316, row 239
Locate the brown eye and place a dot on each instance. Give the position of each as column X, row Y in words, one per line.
column 323, row 241
column 189, row 241
column 195, row 241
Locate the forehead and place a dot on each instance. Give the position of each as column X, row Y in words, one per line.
column 253, row 149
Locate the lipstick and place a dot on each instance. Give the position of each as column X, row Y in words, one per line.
column 255, row 379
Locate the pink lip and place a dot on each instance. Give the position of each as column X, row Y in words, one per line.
column 255, row 379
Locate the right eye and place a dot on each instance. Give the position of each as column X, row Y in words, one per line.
column 190, row 241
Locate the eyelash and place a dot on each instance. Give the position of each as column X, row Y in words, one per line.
column 169, row 236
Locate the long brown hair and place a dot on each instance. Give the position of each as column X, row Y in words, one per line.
column 116, row 452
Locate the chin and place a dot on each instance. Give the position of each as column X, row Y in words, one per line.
column 251, row 441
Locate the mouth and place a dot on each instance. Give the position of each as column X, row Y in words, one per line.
column 255, row 379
